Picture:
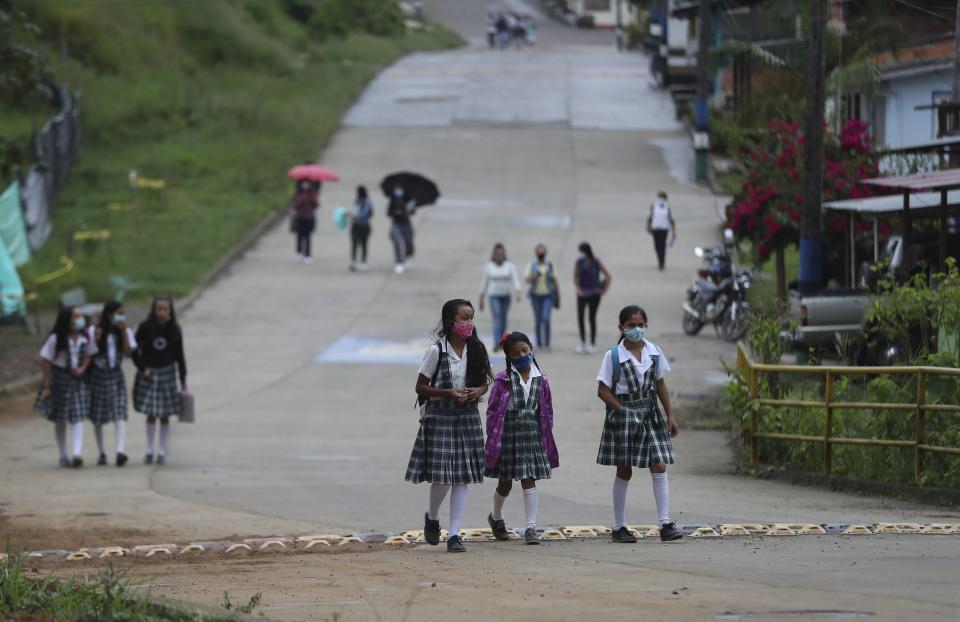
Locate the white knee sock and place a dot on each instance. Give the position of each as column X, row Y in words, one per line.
column 151, row 433
column 76, row 430
column 438, row 492
column 98, row 434
column 620, row 502
column 661, row 492
column 498, row 502
column 121, row 432
column 531, row 499
column 60, row 428
column 458, row 504
column 164, row 435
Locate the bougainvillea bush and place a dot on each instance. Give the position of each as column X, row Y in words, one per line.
column 768, row 209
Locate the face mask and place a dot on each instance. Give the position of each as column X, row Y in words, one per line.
column 635, row 334
column 463, row 329
column 398, row 193
column 119, row 318
column 523, row 362
column 79, row 323
column 541, row 256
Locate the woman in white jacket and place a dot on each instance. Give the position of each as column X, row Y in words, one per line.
column 500, row 280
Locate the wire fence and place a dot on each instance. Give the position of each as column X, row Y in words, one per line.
column 55, row 147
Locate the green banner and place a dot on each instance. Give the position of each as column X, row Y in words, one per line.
column 11, row 289
column 13, row 231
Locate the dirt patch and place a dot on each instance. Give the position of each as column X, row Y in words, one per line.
column 19, row 407
column 26, row 533
column 19, row 347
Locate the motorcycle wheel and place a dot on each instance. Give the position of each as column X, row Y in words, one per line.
column 733, row 330
column 691, row 325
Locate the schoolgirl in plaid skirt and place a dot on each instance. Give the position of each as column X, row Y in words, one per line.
column 159, row 357
column 635, row 431
column 448, row 451
column 108, row 389
column 520, row 444
column 64, row 396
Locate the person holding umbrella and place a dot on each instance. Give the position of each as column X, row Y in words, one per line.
column 406, row 192
column 305, row 201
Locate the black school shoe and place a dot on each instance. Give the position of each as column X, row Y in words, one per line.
column 498, row 527
column 148, row 459
column 121, row 459
column 669, row 532
column 623, row 536
column 530, row 536
column 431, row 530
column 455, row 545
column 102, row 460
column 77, row 462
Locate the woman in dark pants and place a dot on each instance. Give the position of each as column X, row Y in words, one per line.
column 304, row 204
column 360, row 229
column 590, row 287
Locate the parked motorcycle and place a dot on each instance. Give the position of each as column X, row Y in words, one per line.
column 719, row 294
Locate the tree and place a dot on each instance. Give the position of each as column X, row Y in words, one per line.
column 767, row 211
column 22, row 67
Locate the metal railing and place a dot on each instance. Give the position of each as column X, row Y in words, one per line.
column 749, row 372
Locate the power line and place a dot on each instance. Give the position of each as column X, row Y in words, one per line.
column 922, row 9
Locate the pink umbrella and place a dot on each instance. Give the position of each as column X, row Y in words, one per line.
column 312, row 172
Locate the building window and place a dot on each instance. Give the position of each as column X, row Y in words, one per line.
column 596, row 6
column 851, row 107
column 878, row 119
column 944, row 118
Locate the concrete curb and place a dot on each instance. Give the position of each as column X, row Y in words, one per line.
column 928, row 496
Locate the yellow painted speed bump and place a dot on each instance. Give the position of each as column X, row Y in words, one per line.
column 316, row 543
column 811, row 530
column 908, row 527
column 579, row 531
column 159, row 550
column 193, row 547
column 78, row 556
column 936, row 529
column 645, row 530
column 113, row 551
column 329, row 537
column 396, row 540
column 704, row 532
column 857, row 530
column 756, row 527
column 887, row 528
column 348, row 540
column 279, row 544
column 733, row 529
column 238, row 546
column 412, row 534
column 780, row 530
column 552, row 534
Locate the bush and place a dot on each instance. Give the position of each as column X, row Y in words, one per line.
column 382, row 18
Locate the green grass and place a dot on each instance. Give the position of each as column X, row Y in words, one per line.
column 764, row 290
column 101, row 597
column 218, row 100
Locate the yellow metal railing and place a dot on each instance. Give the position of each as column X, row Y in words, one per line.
column 749, row 372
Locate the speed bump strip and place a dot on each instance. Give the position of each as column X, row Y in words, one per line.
column 272, row 543
column 412, row 534
column 323, row 536
column 349, row 540
column 645, row 530
column 553, row 534
column 935, row 529
column 159, row 550
column 579, row 532
column 239, row 546
column 704, row 532
column 755, row 527
column 733, row 530
column 193, row 547
column 316, row 543
column 811, row 530
column 887, row 528
column 857, row 530
column 78, row 556
column 396, row 540
column 780, row 530
column 113, row 551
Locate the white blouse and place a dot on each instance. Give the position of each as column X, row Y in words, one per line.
column 500, row 280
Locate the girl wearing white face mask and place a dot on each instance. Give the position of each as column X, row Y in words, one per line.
column 108, row 389
column 635, row 432
column 64, row 396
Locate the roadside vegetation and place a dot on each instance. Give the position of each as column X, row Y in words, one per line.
column 216, row 99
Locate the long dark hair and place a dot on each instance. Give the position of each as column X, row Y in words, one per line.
column 586, row 250
column 512, row 338
column 629, row 311
column 154, row 324
column 498, row 247
column 478, row 361
column 361, row 193
column 107, row 326
column 62, row 328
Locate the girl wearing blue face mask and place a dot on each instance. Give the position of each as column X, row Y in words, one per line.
column 520, row 444
column 635, row 432
column 64, row 396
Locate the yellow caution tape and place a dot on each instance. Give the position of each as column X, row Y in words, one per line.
column 68, row 265
column 152, row 184
column 97, row 234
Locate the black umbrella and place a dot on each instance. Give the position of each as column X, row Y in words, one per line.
column 416, row 188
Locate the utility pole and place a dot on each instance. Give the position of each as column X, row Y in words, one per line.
column 811, row 243
column 701, row 135
column 956, row 58
column 619, row 28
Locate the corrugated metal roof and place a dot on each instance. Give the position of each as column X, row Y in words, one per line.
column 893, row 203
column 937, row 180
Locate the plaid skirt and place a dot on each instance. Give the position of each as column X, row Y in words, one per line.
column 522, row 455
column 636, row 436
column 449, row 445
column 69, row 398
column 158, row 395
column 108, row 395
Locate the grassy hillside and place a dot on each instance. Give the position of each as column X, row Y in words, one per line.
column 218, row 98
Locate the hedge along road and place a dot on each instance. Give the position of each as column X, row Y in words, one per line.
column 304, row 374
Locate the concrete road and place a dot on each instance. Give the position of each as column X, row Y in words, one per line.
column 304, row 374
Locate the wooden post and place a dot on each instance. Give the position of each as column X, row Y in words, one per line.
column 942, row 242
column 828, row 426
column 753, row 417
column 921, row 400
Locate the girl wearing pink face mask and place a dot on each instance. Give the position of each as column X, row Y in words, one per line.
column 449, row 449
